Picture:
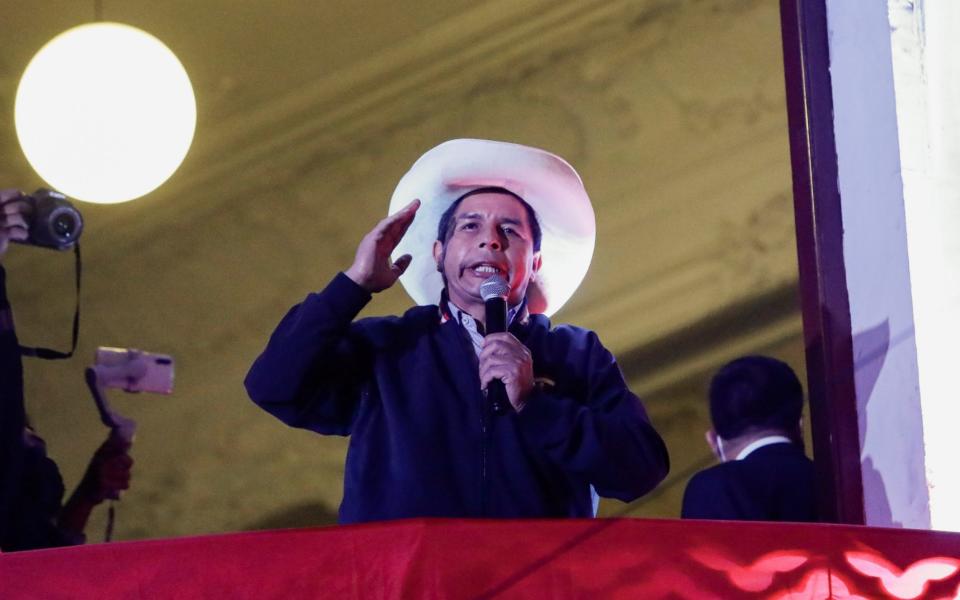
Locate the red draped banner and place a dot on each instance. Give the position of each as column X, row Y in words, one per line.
column 425, row 558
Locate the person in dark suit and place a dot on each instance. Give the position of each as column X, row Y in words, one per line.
column 755, row 406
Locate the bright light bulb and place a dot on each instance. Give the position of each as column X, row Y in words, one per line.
column 105, row 113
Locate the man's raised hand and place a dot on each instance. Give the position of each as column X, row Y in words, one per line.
column 372, row 268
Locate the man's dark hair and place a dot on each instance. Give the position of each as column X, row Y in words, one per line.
column 755, row 392
column 445, row 227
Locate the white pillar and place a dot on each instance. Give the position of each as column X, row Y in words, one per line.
column 926, row 67
column 896, row 92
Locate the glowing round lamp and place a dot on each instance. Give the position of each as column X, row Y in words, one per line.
column 105, row 113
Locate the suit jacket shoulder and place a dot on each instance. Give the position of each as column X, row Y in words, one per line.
column 774, row 483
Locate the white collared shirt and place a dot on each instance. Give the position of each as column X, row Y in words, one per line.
column 764, row 441
column 473, row 327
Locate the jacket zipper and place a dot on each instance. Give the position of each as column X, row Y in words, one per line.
column 484, row 443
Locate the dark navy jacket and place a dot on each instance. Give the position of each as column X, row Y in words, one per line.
column 407, row 391
column 773, row 483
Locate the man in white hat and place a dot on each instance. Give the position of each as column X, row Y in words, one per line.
column 411, row 390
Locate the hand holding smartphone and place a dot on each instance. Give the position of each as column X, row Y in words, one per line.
column 134, row 371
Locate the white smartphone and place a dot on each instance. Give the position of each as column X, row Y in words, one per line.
column 134, row 370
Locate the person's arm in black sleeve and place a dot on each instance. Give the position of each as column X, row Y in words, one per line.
column 12, row 414
column 604, row 438
column 12, row 417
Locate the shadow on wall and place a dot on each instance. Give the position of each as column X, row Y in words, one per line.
column 309, row 514
column 871, row 346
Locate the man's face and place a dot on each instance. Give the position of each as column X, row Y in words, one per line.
column 491, row 236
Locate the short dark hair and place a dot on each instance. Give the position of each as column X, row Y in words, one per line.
column 755, row 392
column 445, row 226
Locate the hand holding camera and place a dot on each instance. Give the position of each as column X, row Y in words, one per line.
column 45, row 218
column 13, row 219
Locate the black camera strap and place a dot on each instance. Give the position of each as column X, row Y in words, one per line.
column 47, row 353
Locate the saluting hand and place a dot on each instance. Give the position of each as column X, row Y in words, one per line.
column 504, row 357
column 372, row 269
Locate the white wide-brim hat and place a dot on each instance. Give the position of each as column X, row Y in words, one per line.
column 544, row 180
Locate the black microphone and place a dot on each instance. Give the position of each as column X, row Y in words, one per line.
column 494, row 291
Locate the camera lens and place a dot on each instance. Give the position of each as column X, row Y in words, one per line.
column 55, row 223
column 64, row 225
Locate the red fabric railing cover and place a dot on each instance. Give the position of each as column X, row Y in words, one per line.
column 606, row 558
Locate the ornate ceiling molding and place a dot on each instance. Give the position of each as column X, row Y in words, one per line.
column 498, row 40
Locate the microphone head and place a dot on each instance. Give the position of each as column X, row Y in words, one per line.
column 494, row 286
